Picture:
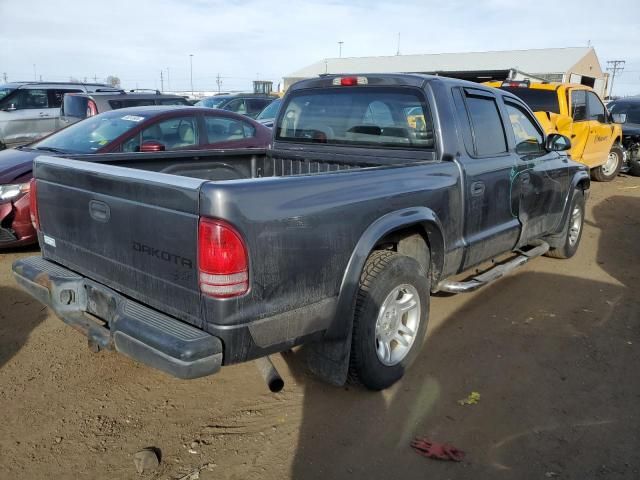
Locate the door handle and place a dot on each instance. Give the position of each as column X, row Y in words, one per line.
column 526, row 178
column 42, row 114
column 477, row 188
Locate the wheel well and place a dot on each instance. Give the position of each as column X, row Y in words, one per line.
column 584, row 184
column 416, row 242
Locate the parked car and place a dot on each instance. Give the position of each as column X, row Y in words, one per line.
column 334, row 237
column 249, row 104
column 30, row 110
column 630, row 108
column 577, row 112
column 267, row 116
column 136, row 129
column 78, row 106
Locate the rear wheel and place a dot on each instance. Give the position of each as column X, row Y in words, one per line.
column 392, row 311
column 572, row 232
column 610, row 169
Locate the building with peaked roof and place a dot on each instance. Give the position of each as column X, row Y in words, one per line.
column 572, row 64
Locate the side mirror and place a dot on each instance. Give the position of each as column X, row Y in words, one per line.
column 11, row 107
column 152, row 146
column 619, row 117
column 557, row 143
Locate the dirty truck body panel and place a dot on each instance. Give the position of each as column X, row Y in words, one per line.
column 309, row 212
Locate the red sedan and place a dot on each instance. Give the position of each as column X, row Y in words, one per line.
column 137, row 129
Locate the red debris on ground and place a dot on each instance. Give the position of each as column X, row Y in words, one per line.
column 439, row 451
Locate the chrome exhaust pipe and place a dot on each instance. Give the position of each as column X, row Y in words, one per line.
column 270, row 374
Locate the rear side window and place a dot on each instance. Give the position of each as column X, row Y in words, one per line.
column 538, row 100
column 221, row 129
column 578, row 105
column 237, row 106
column 488, row 132
column 256, row 105
column 360, row 116
column 55, row 96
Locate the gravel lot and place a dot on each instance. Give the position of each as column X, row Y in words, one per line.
column 551, row 349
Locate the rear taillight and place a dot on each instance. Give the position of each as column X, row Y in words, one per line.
column 33, row 204
column 92, row 108
column 223, row 265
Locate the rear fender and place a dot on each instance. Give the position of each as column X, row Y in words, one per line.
column 329, row 358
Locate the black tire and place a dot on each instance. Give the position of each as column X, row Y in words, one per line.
column 600, row 175
column 634, row 164
column 384, row 271
column 569, row 248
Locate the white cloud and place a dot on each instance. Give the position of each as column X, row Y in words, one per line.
column 245, row 38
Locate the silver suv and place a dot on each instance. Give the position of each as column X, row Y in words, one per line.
column 30, row 110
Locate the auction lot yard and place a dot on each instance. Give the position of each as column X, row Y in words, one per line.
column 552, row 349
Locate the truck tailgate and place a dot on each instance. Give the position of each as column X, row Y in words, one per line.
column 133, row 230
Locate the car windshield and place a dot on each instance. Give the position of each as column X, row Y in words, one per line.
column 210, row 102
column 537, row 99
column 4, row 91
column 632, row 110
column 92, row 134
column 270, row 111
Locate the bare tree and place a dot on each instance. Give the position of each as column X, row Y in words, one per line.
column 113, row 80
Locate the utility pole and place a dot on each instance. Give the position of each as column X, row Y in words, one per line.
column 35, row 77
column 218, row 82
column 95, row 78
column 161, row 82
column 340, row 48
column 4, row 75
column 168, row 83
column 191, row 69
column 614, row 66
column 398, row 50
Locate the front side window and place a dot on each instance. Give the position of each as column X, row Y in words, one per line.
column 137, row 102
column 631, row 110
column 26, row 99
column 171, row 101
column 578, row 105
column 255, row 106
column 596, row 108
column 91, row 134
column 359, row 116
column 221, row 129
column 529, row 140
column 488, row 133
column 174, row 133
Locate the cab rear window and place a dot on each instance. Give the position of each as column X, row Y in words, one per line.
column 537, row 100
column 358, row 116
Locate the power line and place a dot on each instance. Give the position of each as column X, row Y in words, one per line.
column 614, row 66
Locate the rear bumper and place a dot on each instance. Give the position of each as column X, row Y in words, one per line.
column 113, row 322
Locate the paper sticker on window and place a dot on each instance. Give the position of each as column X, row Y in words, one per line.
column 133, row 118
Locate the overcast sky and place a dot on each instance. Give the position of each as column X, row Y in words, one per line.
column 243, row 39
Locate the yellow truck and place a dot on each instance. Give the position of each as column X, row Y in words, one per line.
column 577, row 112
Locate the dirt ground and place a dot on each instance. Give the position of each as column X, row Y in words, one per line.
column 551, row 349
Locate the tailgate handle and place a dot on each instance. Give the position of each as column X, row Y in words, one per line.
column 99, row 211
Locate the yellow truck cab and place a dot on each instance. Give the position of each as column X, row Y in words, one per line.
column 577, row 112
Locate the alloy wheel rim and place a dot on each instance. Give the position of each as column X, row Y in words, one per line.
column 397, row 324
column 575, row 226
column 612, row 162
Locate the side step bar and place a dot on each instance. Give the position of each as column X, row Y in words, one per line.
column 494, row 273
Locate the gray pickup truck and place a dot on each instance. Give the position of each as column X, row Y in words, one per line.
column 377, row 191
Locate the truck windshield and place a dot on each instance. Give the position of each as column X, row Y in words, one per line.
column 360, row 116
column 92, row 134
column 537, row 100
